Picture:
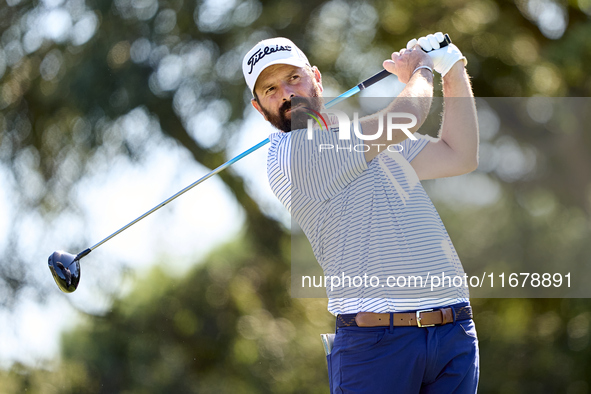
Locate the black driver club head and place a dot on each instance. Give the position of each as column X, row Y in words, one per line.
column 65, row 270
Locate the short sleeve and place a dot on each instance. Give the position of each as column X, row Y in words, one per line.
column 321, row 166
column 411, row 148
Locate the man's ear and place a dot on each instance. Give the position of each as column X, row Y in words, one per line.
column 318, row 77
column 256, row 105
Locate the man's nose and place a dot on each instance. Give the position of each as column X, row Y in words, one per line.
column 287, row 92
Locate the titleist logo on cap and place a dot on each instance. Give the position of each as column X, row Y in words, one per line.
column 261, row 53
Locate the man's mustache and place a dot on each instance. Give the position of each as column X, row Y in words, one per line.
column 288, row 104
column 285, row 106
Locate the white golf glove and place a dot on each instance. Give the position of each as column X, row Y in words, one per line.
column 443, row 58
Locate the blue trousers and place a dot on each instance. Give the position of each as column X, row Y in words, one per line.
column 375, row 360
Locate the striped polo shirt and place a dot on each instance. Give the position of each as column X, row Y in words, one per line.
column 372, row 226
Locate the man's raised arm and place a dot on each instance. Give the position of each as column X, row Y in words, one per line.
column 413, row 67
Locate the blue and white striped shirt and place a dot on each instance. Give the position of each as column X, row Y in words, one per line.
column 362, row 218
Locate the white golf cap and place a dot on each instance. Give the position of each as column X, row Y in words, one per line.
column 266, row 53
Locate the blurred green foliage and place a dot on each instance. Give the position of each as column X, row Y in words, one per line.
column 74, row 74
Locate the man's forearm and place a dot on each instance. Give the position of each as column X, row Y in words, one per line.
column 459, row 128
column 416, row 97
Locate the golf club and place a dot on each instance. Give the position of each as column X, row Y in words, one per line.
column 65, row 267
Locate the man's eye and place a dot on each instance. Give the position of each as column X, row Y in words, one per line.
column 294, row 77
column 269, row 90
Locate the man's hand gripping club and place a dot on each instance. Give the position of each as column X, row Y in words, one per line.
column 443, row 58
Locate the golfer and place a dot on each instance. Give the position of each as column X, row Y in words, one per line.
column 365, row 213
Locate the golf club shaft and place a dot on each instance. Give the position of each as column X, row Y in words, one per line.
column 365, row 84
column 186, row 189
column 227, row 164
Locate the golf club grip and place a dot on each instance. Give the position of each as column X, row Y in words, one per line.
column 384, row 73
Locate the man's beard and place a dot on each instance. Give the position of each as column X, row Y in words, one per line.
column 296, row 120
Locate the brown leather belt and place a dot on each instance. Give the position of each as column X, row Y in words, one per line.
column 422, row 318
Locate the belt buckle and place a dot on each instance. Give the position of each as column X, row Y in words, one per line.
column 418, row 314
